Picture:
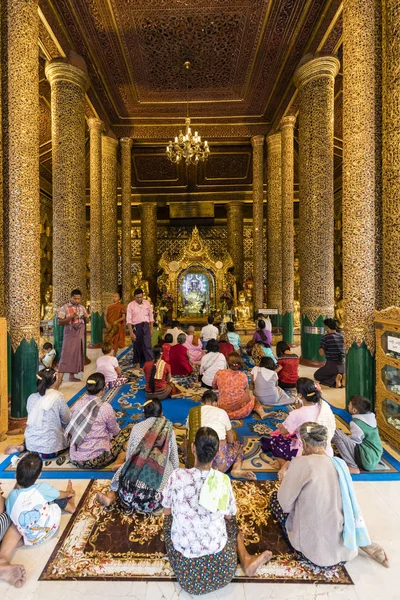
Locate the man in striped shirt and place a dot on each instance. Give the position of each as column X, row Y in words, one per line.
column 332, row 347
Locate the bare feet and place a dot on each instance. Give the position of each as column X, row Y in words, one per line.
column 376, row 552
column 119, row 461
column 70, row 489
column 70, row 508
column 354, row 470
column 339, row 380
column 14, row 449
column 283, row 470
column 250, row 563
column 243, row 474
column 14, row 574
column 74, row 379
column 106, row 499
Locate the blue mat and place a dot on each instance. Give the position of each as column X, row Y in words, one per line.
column 127, row 402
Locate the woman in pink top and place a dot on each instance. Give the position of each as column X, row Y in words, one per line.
column 95, row 436
column 194, row 346
column 287, row 444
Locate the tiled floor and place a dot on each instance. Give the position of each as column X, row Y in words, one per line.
column 379, row 501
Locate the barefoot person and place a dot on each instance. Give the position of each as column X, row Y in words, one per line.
column 230, row 452
column 73, row 317
column 201, row 534
column 115, row 319
column 332, row 348
column 317, row 508
column 139, row 317
column 9, row 539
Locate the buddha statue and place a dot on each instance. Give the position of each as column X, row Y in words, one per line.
column 296, row 314
column 296, row 279
column 46, row 311
column 243, row 313
column 339, row 309
column 139, row 283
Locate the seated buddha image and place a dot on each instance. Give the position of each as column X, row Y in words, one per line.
column 195, row 296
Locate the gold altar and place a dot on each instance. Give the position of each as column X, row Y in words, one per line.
column 195, row 280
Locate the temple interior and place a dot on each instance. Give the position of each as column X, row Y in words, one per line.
column 233, row 159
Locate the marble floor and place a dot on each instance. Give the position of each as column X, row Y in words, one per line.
column 379, row 501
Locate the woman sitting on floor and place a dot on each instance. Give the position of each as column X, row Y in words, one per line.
column 316, row 506
column 263, row 333
column 225, row 347
column 95, row 437
column 234, row 394
column 194, row 346
column 288, row 366
column 201, row 535
column 211, row 363
column 158, row 377
column 233, row 337
column 48, row 416
column 287, row 443
column 151, row 456
column 179, row 357
column 261, row 350
column 264, row 384
column 230, row 453
column 108, row 365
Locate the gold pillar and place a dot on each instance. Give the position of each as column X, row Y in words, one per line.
column 391, row 152
column 315, row 80
column 274, row 220
column 287, row 232
column 234, row 219
column 148, row 224
column 361, row 108
column 21, row 193
column 68, row 80
column 2, row 305
column 96, row 128
column 258, row 219
column 109, row 219
column 126, row 189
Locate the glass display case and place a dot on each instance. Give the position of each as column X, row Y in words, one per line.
column 387, row 404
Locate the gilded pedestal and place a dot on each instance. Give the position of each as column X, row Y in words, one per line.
column 287, row 141
column 274, row 229
column 258, row 219
column 148, row 224
column 69, row 81
column 96, row 128
column 391, row 152
column 21, row 194
column 315, row 80
column 361, row 110
column 109, row 220
column 126, row 188
column 234, row 219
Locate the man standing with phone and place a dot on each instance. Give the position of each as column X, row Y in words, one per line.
column 139, row 318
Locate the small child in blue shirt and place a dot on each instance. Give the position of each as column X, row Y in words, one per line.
column 35, row 508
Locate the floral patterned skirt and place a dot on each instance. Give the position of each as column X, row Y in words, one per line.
column 208, row 573
column 279, row 447
column 227, row 456
column 107, row 457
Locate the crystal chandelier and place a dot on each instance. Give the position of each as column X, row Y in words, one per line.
column 188, row 146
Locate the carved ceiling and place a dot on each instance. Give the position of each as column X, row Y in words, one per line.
column 243, row 53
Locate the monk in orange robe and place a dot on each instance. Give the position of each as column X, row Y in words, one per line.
column 116, row 323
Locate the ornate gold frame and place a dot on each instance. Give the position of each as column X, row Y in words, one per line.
column 387, row 320
column 195, row 255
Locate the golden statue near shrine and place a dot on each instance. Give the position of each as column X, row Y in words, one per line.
column 243, row 313
column 339, row 309
column 139, row 283
column 46, row 311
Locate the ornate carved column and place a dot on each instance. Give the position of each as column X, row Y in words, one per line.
column 287, row 140
column 109, row 219
column 258, row 219
column 21, row 195
column 96, row 128
column 148, row 224
column 391, row 152
column 274, row 220
column 126, row 189
column 234, row 219
column 68, row 80
column 361, row 185
column 2, row 291
column 315, row 80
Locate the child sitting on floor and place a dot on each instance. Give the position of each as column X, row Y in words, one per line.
column 166, row 347
column 46, row 356
column 108, row 366
column 363, row 448
column 35, row 508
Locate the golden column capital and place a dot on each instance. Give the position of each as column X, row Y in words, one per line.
column 96, row 124
column 257, row 140
column 274, row 142
column 126, row 142
column 288, row 121
column 316, row 68
column 59, row 69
